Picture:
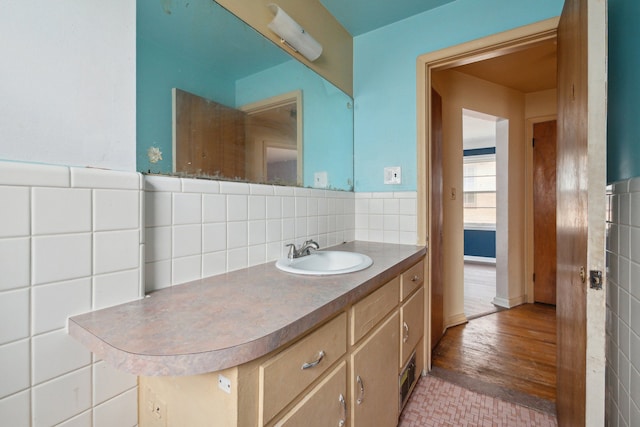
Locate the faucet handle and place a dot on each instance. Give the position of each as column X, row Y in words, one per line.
column 292, row 250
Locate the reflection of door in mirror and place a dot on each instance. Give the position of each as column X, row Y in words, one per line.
column 209, row 138
column 274, row 139
column 280, row 162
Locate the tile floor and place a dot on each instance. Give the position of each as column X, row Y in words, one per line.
column 435, row 402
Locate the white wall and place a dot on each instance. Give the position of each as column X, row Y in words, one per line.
column 67, row 82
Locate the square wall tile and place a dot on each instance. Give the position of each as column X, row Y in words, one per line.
column 257, row 255
column 62, row 398
column 157, row 208
column 109, row 382
column 61, row 210
column 115, row 288
column 116, row 251
column 115, row 209
column 157, row 243
column 237, row 208
column 54, row 303
column 187, row 208
column 257, row 232
column 119, row 411
column 214, row 263
column 186, row 269
column 15, row 212
column 157, row 275
column 56, row 353
column 257, row 207
column 187, row 240
column 16, row 410
column 60, row 257
column 14, row 315
column 214, row 208
column 214, row 237
column 274, row 207
column 15, row 263
column 237, row 259
column 14, row 359
column 237, row 234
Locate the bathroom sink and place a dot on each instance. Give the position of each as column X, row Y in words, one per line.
column 323, row 263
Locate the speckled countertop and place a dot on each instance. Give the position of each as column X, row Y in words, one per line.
column 230, row 319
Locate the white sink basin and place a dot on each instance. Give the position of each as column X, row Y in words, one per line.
column 323, row 263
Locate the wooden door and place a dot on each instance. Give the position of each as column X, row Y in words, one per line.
column 581, row 211
column 544, row 212
column 437, row 227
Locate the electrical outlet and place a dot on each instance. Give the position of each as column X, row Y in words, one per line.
column 320, row 180
column 393, row 175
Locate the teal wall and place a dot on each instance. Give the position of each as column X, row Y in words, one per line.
column 623, row 134
column 328, row 119
column 385, row 78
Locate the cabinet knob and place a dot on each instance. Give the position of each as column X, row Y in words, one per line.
column 309, row 365
column 416, row 278
column 405, row 338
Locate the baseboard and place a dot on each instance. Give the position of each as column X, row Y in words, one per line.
column 479, row 260
column 455, row 320
column 509, row 303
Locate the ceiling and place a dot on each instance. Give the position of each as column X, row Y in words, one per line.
column 362, row 16
column 529, row 70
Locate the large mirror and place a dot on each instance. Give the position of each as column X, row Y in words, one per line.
column 217, row 99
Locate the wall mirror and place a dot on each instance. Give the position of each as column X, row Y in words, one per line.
column 216, row 99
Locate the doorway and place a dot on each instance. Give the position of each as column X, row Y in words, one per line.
column 479, row 167
column 512, row 286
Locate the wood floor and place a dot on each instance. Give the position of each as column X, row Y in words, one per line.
column 479, row 289
column 514, row 350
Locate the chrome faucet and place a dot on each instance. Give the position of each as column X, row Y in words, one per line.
column 304, row 250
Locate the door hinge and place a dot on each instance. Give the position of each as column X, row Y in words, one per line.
column 534, row 277
column 533, row 142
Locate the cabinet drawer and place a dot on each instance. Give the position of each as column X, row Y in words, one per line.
column 411, row 325
column 372, row 309
column 412, row 279
column 283, row 376
column 325, row 405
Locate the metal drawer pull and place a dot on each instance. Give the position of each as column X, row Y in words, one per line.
column 415, row 278
column 406, row 332
column 343, row 403
column 361, row 385
column 315, row 363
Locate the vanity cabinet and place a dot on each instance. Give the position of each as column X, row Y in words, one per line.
column 346, row 372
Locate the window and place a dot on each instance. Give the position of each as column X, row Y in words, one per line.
column 480, row 191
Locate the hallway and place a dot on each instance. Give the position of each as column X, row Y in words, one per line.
column 510, row 354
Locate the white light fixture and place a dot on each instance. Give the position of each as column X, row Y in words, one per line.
column 293, row 34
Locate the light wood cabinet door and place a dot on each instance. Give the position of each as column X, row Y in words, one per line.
column 324, row 406
column 411, row 324
column 374, row 378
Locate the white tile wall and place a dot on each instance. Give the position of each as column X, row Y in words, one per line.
column 199, row 228
column 70, row 242
column 623, row 304
column 386, row 217
column 74, row 240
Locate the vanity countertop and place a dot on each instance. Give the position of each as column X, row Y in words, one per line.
column 230, row 319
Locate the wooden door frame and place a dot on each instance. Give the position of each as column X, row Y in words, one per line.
column 473, row 51
column 528, row 211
